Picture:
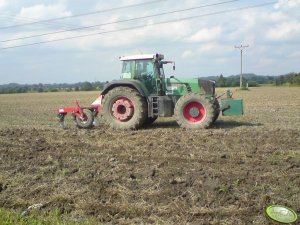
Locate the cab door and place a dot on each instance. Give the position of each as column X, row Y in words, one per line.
column 146, row 72
column 160, row 79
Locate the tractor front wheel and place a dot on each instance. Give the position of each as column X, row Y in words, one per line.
column 124, row 108
column 193, row 111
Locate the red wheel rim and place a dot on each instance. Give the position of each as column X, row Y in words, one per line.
column 194, row 112
column 122, row 109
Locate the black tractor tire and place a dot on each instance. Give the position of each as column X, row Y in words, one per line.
column 87, row 122
column 216, row 106
column 194, row 111
column 137, row 111
column 149, row 120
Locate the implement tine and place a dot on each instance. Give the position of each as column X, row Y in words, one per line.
column 61, row 120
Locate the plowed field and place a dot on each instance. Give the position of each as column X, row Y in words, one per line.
column 161, row 174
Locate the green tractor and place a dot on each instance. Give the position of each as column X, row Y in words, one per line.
column 144, row 93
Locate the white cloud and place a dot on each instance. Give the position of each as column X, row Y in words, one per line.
column 264, row 62
column 209, row 47
column 214, row 49
column 42, row 11
column 149, row 35
column 3, row 3
column 249, row 19
column 286, row 4
column 276, row 16
column 294, row 55
column 206, row 34
column 186, row 54
column 221, row 60
column 284, row 31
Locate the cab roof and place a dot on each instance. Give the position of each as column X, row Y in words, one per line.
column 142, row 56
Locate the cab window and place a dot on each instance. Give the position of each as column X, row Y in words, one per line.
column 127, row 70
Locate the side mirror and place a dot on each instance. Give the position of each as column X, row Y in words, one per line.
column 173, row 65
column 172, row 77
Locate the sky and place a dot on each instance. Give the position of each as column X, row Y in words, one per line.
column 200, row 36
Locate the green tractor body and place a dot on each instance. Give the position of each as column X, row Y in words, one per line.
column 143, row 93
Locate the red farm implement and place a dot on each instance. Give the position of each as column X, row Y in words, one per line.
column 83, row 117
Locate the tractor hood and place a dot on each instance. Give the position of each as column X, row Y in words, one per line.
column 180, row 86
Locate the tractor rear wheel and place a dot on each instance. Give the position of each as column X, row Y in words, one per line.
column 86, row 121
column 193, row 111
column 124, row 108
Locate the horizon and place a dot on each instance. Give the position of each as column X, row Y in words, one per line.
column 71, row 83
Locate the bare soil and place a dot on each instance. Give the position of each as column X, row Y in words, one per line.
column 161, row 174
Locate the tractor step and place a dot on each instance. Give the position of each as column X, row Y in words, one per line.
column 154, row 104
column 161, row 106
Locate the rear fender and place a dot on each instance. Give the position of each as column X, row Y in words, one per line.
column 126, row 83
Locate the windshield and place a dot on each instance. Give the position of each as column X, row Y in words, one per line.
column 144, row 68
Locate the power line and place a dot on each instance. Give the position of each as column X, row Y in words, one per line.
column 119, row 21
column 83, row 14
column 26, row 19
column 142, row 26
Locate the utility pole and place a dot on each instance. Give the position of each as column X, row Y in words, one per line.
column 241, row 48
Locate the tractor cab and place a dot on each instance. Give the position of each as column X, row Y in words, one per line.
column 147, row 69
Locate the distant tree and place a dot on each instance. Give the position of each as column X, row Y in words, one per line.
column 221, row 81
column 253, row 84
column 296, row 79
column 277, row 82
column 232, row 82
column 87, row 86
column 40, row 88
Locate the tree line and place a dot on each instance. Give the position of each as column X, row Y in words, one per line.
column 252, row 80
column 289, row 79
column 28, row 88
